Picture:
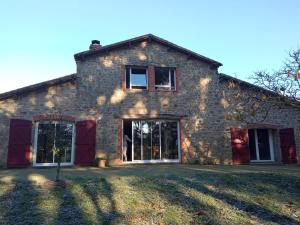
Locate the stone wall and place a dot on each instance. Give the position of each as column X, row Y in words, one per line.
column 197, row 99
column 233, row 96
column 58, row 99
column 202, row 101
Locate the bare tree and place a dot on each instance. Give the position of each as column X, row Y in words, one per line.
column 284, row 83
column 268, row 91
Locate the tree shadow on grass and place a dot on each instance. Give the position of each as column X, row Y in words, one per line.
column 69, row 211
column 20, row 205
column 170, row 192
column 242, row 205
column 100, row 193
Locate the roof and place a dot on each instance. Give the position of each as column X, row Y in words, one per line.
column 223, row 76
column 38, row 86
column 147, row 37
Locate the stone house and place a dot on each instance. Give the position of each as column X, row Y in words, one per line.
column 143, row 100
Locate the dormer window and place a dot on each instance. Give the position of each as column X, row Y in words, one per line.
column 136, row 78
column 165, row 78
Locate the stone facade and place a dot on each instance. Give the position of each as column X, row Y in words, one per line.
column 233, row 96
column 97, row 94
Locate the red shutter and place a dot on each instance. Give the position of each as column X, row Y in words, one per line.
column 288, row 146
column 151, row 78
column 85, row 142
column 239, row 144
column 123, row 77
column 19, row 144
column 183, row 146
column 178, row 79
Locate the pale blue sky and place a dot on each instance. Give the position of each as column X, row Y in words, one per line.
column 38, row 38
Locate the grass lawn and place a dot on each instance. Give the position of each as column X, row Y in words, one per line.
column 152, row 194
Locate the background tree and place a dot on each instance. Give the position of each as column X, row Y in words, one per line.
column 284, row 83
column 271, row 91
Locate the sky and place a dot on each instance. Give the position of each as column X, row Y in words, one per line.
column 39, row 38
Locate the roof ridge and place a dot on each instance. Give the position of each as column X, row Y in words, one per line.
column 105, row 48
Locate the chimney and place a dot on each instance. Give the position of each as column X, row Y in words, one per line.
column 95, row 45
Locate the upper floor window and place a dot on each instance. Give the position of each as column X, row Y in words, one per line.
column 165, row 78
column 136, row 78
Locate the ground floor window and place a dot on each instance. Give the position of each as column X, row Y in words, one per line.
column 50, row 135
column 150, row 140
column 261, row 144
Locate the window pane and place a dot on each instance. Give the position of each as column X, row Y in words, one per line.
column 172, row 79
column 138, row 80
column 252, row 145
column 146, row 130
column 137, row 140
column 155, row 140
column 263, row 144
column 63, row 141
column 162, row 76
column 169, row 140
column 45, row 143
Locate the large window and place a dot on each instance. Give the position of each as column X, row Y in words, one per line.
column 136, row 78
column 50, row 135
column 164, row 78
column 150, row 140
column 261, row 144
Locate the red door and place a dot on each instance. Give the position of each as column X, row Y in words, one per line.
column 85, row 142
column 240, row 147
column 19, row 144
column 288, row 146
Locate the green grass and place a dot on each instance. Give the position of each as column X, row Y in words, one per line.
column 154, row 194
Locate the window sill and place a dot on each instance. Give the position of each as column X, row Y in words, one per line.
column 165, row 91
column 136, row 90
column 147, row 90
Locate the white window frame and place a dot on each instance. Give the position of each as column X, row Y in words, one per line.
column 169, row 86
column 152, row 160
column 271, row 147
column 130, row 83
column 36, row 144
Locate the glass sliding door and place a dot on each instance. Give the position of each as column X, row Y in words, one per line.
column 147, row 140
column 50, row 135
column 169, row 140
column 261, row 145
column 155, row 140
column 63, row 141
column 137, row 140
column 45, row 143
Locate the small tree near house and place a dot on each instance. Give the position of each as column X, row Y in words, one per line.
column 58, row 155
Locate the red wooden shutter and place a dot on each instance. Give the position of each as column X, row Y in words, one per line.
column 85, row 142
column 183, row 146
column 151, row 78
column 239, row 144
column 288, row 146
column 123, row 77
column 19, row 144
column 178, row 79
